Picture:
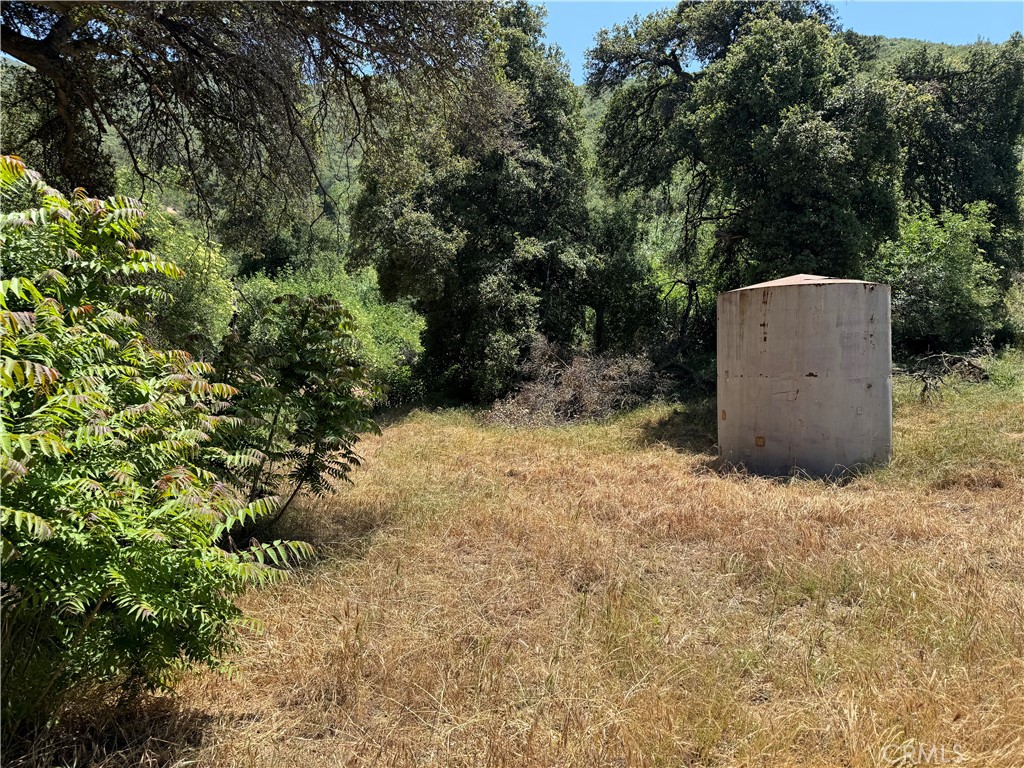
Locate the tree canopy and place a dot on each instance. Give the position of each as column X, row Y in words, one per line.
column 484, row 232
column 753, row 111
column 245, row 89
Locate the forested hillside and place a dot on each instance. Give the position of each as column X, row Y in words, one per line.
column 460, row 216
column 879, row 53
column 235, row 235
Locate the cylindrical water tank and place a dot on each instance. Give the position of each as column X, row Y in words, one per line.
column 805, row 375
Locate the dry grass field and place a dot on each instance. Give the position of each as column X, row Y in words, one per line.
column 601, row 595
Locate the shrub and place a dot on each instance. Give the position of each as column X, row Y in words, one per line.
column 944, row 291
column 197, row 309
column 388, row 333
column 304, row 397
column 585, row 387
column 112, row 573
column 1015, row 311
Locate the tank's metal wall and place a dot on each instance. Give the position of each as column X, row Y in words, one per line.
column 805, row 377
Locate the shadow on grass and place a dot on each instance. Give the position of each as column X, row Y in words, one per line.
column 338, row 528
column 155, row 731
column 391, row 415
column 692, row 428
column 689, row 428
column 387, row 417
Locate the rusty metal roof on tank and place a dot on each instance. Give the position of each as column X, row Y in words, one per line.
column 802, row 280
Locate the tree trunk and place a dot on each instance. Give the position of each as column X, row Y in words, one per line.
column 599, row 340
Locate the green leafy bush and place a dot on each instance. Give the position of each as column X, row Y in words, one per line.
column 387, row 333
column 1015, row 311
column 304, row 397
column 945, row 294
column 196, row 312
column 113, row 577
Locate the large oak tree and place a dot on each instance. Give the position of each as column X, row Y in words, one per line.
column 243, row 90
column 483, row 229
column 748, row 115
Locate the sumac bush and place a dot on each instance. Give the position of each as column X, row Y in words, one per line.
column 113, row 571
column 303, row 397
column 387, row 333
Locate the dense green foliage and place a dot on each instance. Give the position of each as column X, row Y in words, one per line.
column 769, row 145
column 195, row 308
column 944, row 290
column 622, row 288
column 466, row 196
column 113, row 576
column 484, row 233
column 387, row 334
column 801, row 167
column 303, row 397
column 962, row 137
column 877, row 53
column 793, row 175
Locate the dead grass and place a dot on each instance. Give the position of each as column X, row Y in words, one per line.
column 599, row 596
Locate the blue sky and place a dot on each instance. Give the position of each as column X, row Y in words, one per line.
column 573, row 24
